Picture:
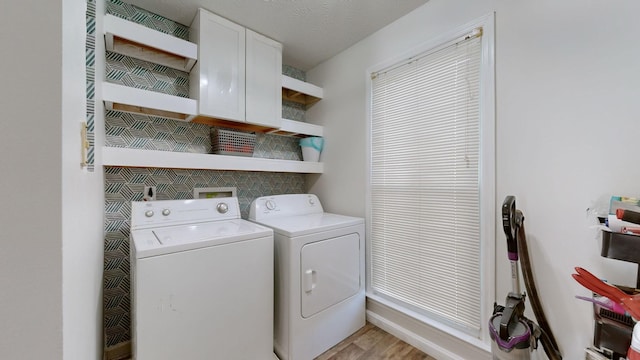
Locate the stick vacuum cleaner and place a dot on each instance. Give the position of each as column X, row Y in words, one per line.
column 514, row 336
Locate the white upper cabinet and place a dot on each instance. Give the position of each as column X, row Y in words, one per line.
column 263, row 70
column 218, row 79
column 238, row 73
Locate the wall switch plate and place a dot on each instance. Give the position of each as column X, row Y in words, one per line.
column 149, row 193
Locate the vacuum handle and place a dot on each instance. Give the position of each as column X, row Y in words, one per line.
column 508, row 316
column 510, row 227
column 512, row 313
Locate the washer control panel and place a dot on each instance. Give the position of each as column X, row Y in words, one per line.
column 284, row 205
column 176, row 212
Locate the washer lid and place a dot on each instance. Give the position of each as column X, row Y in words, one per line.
column 172, row 239
column 291, row 226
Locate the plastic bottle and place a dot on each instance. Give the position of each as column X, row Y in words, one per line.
column 634, row 349
column 628, row 215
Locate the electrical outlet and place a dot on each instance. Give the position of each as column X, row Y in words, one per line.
column 149, row 193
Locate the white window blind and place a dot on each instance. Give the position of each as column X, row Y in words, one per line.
column 424, row 183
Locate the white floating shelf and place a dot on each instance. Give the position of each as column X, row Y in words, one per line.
column 138, row 41
column 128, row 99
column 138, row 101
column 113, row 156
column 296, row 128
column 299, row 91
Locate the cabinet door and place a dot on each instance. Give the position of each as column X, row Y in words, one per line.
column 218, row 79
column 264, row 80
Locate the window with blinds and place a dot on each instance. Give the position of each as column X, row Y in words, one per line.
column 425, row 174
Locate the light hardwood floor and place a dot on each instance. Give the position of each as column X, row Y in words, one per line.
column 373, row 343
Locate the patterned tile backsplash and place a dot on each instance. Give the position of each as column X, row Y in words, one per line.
column 123, row 185
column 153, row 133
column 128, row 71
column 90, row 69
column 147, row 18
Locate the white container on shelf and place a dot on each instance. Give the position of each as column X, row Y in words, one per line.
column 311, row 148
column 310, row 154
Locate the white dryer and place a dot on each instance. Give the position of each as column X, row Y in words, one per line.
column 319, row 274
column 202, row 282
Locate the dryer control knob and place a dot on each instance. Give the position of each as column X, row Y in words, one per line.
column 148, row 213
column 270, row 204
column 222, row 208
column 166, row 212
column 311, row 201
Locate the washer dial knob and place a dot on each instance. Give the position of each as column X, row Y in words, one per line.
column 148, row 213
column 222, row 208
column 270, row 204
column 166, row 212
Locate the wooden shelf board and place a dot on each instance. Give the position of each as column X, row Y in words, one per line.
column 146, row 53
column 138, row 41
column 146, row 111
column 288, row 128
column 300, row 92
column 298, row 97
column 139, row 101
column 231, row 124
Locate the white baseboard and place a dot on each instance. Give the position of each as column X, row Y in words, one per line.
column 434, row 342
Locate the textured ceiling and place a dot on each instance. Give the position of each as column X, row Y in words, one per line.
column 311, row 31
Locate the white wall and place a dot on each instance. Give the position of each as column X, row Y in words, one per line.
column 567, row 76
column 30, row 159
column 51, row 242
column 82, row 202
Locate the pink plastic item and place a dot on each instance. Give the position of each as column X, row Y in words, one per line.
column 631, row 303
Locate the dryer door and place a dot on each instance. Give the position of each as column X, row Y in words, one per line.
column 330, row 272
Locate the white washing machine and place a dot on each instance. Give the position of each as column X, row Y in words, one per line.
column 319, row 274
column 202, row 282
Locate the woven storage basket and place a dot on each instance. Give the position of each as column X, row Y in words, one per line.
column 229, row 142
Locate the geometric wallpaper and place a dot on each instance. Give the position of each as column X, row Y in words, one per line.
column 146, row 18
column 154, row 133
column 123, row 185
column 124, row 70
column 90, row 67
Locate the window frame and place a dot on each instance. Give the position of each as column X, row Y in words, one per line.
column 486, row 174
